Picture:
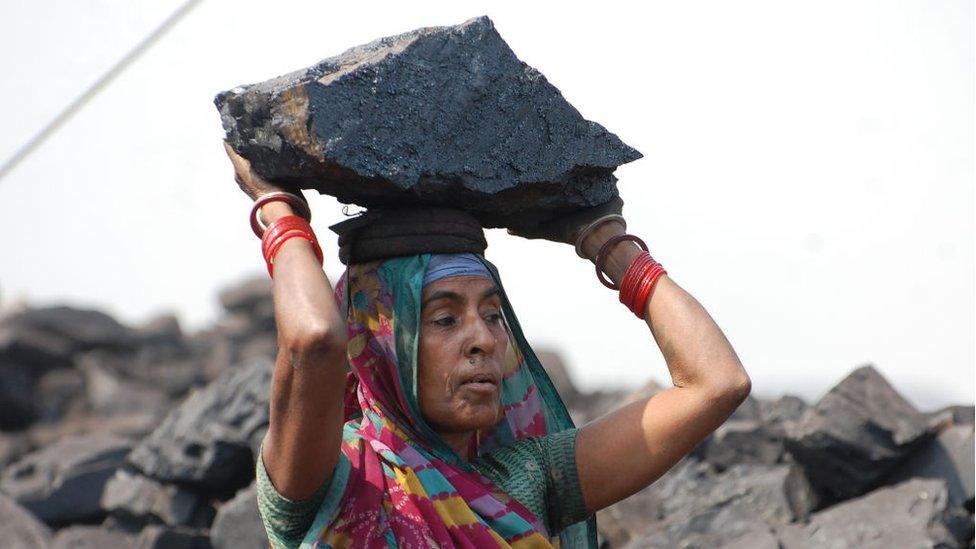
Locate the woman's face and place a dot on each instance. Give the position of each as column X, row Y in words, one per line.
column 460, row 321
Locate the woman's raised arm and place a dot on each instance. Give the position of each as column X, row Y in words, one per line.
column 302, row 445
column 628, row 449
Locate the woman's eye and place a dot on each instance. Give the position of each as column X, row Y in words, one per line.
column 445, row 321
column 495, row 318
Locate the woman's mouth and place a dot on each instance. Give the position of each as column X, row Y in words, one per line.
column 481, row 383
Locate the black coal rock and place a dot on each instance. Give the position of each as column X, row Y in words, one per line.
column 856, row 434
column 63, row 483
column 438, row 115
column 205, row 444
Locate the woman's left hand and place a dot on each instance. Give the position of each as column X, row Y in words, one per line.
column 566, row 228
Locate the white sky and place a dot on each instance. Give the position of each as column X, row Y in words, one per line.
column 808, row 172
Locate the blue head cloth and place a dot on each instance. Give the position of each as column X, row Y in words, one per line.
column 460, row 264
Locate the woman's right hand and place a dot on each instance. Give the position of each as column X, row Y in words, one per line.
column 247, row 179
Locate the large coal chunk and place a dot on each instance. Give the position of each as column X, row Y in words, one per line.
column 206, row 443
column 439, row 115
column 63, row 483
column 910, row 514
column 48, row 337
column 856, row 434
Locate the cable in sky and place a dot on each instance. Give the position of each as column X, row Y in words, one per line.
column 84, row 97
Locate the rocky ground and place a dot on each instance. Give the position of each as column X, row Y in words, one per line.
column 120, row 436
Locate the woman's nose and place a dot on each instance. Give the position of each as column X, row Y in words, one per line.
column 482, row 339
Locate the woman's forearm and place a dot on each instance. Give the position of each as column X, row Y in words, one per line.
column 304, row 435
column 696, row 351
column 305, row 310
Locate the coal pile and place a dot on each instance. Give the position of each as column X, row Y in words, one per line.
column 442, row 116
column 145, row 436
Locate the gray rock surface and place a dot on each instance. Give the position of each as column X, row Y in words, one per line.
column 746, row 502
column 205, row 442
column 19, row 529
column 783, row 410
column 742, row 441
column 910, row 514
column 238, row 524
column 62, row 483
column 438, row 115
column 950, row 457
column 91, row 537
column 162, row 537
column 856, row 434
column 48, row 337
column 140, row 500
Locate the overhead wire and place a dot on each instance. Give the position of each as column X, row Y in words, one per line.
column 91, row 91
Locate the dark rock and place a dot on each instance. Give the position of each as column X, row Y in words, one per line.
column 205, row 442
column 60, row 393
column 238, row 524
column 783, row 410
column 950, row 457
column 63, row 482
column 742, row 441
column 19, row 529
column 170, row 370
column 439, row 115
column 109, row 389
column 91, row 537
column 161, row 330
column 17, row 400
column 856, row 434
column 160, row 537
column 48, row 338
column 910, row 514
column 749, row 410
column 141, row 500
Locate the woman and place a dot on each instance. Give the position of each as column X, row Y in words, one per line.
column 447, row 432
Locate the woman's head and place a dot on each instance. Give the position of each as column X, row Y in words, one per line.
column 462, row 346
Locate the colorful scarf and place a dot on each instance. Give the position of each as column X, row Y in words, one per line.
column 397, row 483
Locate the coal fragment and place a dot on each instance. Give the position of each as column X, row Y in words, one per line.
column 855, row 435
column 63, row 483
column 205, row 444
column 439, row 116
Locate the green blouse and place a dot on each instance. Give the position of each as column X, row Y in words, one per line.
column 539, row 472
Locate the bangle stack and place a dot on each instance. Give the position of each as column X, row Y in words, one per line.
column 639, row 279
column 284, row 228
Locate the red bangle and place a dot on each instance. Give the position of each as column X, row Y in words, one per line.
column 638, row 305
column 281, row 230
column 628, row 284
column 639, row 281
column 281, row 226
column 283, row 238
column 601, row 256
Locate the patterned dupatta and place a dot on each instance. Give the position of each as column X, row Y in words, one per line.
column 397, row 483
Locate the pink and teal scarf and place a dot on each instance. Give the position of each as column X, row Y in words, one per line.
column 397, row 483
